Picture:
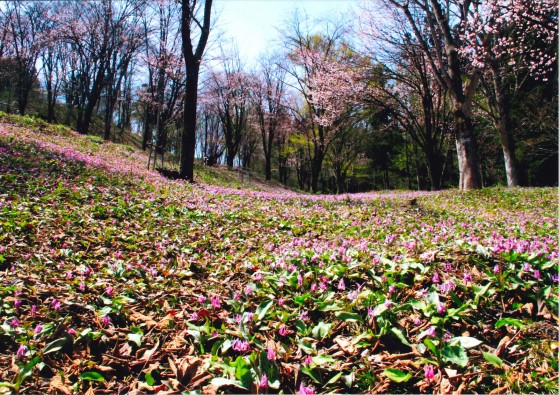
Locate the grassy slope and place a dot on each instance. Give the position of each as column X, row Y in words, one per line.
column 151, row 277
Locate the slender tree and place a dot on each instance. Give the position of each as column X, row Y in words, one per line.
column 190, row 23
column 268, row 101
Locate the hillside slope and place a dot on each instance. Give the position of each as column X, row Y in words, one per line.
column 115, row 279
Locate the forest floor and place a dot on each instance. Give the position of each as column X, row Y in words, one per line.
column 114, row 279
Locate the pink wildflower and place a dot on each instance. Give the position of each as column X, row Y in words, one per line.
column 21, row 351
column 240, row 345
column 429, row 372
column 271, row 354
column 432, row 331
column 106, row 320
column 341, row 285
column 282, row 330
column 537, row 274
column 216, row 302
column 263, row 381
column 304, row 390
column 38, row 329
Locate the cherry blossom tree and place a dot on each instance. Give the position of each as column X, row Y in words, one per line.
column 513, row 42
column 330, row 83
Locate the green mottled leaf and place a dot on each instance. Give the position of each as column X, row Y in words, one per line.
column 400, row 335
column 57, row 345
column 493, row 359
column 455, row 354
column 509, row 321
column 262, row 309
column 397, row 375
column 350, row 317
column 321, row 330
column 92, row 376
column 465, row 341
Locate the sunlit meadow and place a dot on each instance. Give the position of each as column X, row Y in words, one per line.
column 115, row 279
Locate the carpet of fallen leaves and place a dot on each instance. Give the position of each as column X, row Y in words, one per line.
column 114, row 279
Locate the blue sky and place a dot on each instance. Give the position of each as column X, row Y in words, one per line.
column 253, row 24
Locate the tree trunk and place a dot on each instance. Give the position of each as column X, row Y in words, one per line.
column 503, row 126
column 51, row 101
column 188, row 138
column 268, row 168
column 434, row 169
column 507, row 142
column 108, row 112
column 316, row 167
column 466, row 149
column 93, row 99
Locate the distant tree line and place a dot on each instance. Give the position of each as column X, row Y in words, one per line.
column 416, row 94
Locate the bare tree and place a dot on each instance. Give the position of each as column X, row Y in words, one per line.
column 268, row 101
column 434, row 24
column 190, row 24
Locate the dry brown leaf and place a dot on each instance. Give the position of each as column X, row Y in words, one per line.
column 210, row 389
column 104, row 368
column 165, row 321
column 139, row 317
column 502, row 345
column 188, row 367
column 446, row 387
column 345, row 345
column 149, row 353
column 178, row 342
column 176, row 384
column 125, row 350
column 461, row 389
column 173, row 367
column 58, row 385
column 500, row 390
column 199, row 379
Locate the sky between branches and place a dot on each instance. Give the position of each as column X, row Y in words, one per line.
column 253, row 24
